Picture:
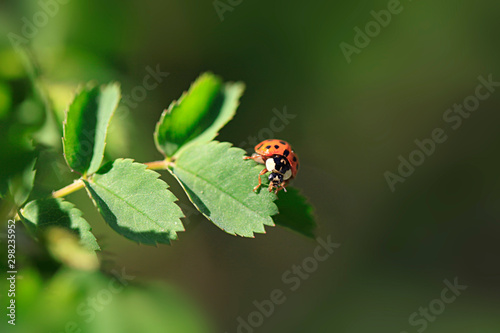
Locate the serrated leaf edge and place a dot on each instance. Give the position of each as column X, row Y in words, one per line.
column 226, row 86
column 231, row 147
column 89, row 85
column 165, row 184
column 102, row 87
column 177, row 102
column 72, row 208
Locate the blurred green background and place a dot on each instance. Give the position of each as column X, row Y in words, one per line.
column 351, row 122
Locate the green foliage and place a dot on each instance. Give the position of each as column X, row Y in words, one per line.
column 198, row 115
column 86, row 126
column 41, row 214
column 219, row 183
column 135, row 203
column 21, row 116
column 20, row 185
column 19, row 157
column 295, row 212
column 131, row 198
column 71, row 302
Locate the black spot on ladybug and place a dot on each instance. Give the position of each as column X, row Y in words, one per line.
column 283, row 142
column 276, row 146
column 295, row 159
column 267, row 147
column 286, row 153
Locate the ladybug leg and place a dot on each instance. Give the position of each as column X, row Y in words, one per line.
column 282, row 187
column 260, row 180
column 252, row 157
column 256, row 157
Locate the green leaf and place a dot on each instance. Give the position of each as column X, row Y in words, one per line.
column 20, row 185
column 86, row 125
column 295, row 212
column 51, row 303
column 15, row 163
column 135, row 203
column 17, row 155
column 220, row 184
column 38, row 215
column 198, row 115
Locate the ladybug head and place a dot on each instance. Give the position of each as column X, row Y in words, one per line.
column 280, row 172
column 275, row 180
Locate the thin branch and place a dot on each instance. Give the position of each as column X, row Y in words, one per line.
column 159, row 165
column 78, row 184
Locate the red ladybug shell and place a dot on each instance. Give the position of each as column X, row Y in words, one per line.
column 268, row 148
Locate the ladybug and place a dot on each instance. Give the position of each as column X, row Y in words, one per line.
column 279, row 159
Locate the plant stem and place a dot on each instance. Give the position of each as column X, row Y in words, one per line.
column 159, row 165
column 78, row 184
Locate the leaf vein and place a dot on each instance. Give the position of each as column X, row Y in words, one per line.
column 222, row 191
column 132, row 206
